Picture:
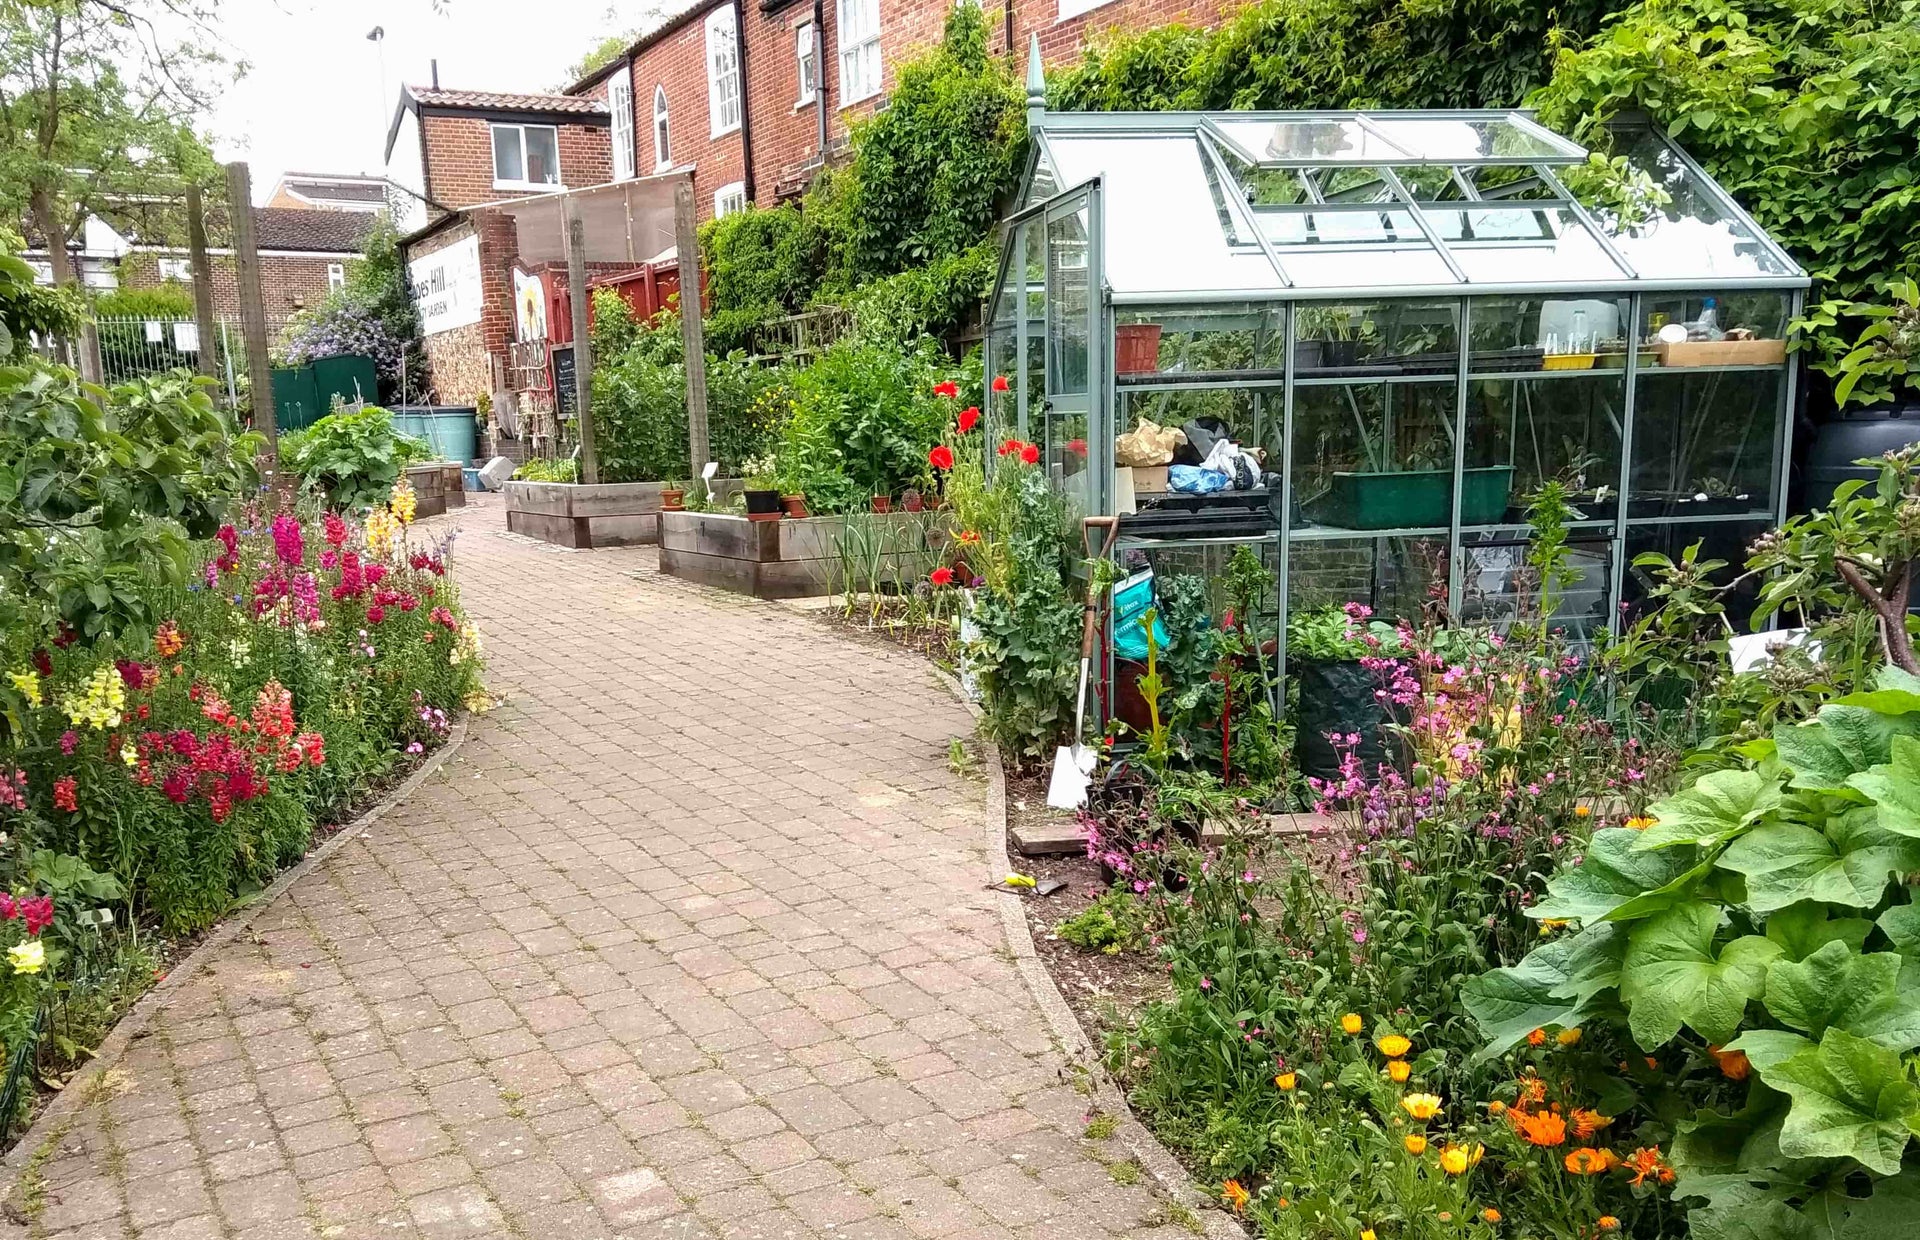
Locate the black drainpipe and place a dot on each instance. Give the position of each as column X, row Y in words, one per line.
column 820, row 71
column 746, row 121
column 1009, row 26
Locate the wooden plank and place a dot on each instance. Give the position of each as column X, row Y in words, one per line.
column 1052, row 837
column 253, row 308
column 686, row 246
column 576, row 247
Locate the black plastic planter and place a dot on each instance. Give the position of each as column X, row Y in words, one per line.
column 1336, row 698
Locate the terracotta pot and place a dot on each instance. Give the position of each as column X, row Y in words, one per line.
column 883, row 503
column 796, row 505
column 673, row 501
column 913, row 502
column 1136, row 348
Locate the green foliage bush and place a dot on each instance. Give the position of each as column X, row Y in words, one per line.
column 1805, row 110
column 863, row 416
column 171, row 300
column 352, row 457
column 1282, row 54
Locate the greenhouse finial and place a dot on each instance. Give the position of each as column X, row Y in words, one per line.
column 1036, row 84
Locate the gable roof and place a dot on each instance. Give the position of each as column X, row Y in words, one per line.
column 293, row 228
column 368, row 191
column 493, row 104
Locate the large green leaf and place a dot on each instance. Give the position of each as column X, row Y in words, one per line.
column 1803, row 929
column 1785, row 863
column 1891, row 1211
column 1835, row 986
column 1550, row 987
column 1839, row 742
column 1672, row 976
column 1713, row 808
column 1894, row 693
column 1610, row 875
column 1767, row 1049
column 1851, row 1099
column 1901, row 925
column 1895, row 787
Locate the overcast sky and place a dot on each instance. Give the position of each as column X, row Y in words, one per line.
column 313, row 100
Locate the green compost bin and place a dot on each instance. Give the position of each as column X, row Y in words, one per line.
column 302, row 395
column 447, row 429
column 1414, row 499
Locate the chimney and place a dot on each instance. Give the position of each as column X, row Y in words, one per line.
column 435, row 64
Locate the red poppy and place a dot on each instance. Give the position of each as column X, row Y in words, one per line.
column 1009, row 447
column 947, row 388
column 969, row 418
column 1077, row 446
column 1000, row 383
column 1030, row 453
column 941, row 457
column 941, row 576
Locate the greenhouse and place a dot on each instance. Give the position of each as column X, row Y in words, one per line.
column 1399, row 324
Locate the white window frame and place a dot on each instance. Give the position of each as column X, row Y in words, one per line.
column 1070, row 9
column 495, row 128
column 723, row 72
column 662, row 130
column 336, row 276
column 620, row 106
column 806, row 55
column 176, row 269
column 729, row 198
column 861, row 72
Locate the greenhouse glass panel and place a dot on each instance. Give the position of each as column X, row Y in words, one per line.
column 1497, row 584
column 1400, row 578
column 1371, row 456
column 1667, row 223
column 1719, row 540
column 1477, row 140
column 1194, row 342
column 1520, row 334
column 1397, row 337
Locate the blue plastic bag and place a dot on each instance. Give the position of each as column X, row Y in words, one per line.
column 1194, row 480
column 1131, row 600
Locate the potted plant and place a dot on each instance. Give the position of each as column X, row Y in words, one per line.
column 673, row 497
column 795, row 504
column 1330, row 338
column 761, row 495
column 1415, row 497
column 1333, row 690
column 882, row 503
column 912, row 500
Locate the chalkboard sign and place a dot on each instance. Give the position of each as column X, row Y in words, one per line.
column 564, row 393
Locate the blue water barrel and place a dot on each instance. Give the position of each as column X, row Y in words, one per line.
column 448, row 429
column 1853, row 434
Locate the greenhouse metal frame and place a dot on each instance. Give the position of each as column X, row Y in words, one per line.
column 1453, row 303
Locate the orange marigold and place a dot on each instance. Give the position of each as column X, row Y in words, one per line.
column 1398, row 1071
column 1646, row 1162
column 1235, row 1195
column 1734, row 1065
column 1586, row 1123
column 1539, row 1127
column 1415, row 1143
column 1490, row 1214
column 1537, row 1038
column 1589, row 1161
column 1286, row 1080
column 1533, row 1091
column 1606, row 1222
column 1496, row 1107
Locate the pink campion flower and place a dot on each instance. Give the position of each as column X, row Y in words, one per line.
column 1206, row 983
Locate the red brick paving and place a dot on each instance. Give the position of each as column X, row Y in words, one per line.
column 689, row 941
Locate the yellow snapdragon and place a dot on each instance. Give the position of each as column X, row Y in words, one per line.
column 382, row 529
column 28, row 683
column 102, row 705
column 27, row 957
column 402, row 500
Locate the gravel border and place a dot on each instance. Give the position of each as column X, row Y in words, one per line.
column 1158, row 1162
column 75, row 1094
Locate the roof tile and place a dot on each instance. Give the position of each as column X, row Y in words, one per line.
column 428, row 97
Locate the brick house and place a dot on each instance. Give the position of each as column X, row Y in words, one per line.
column 753, row 98
column 304, row 254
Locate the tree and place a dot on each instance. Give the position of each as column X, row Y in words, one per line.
column 98, row 103
column 373, row 315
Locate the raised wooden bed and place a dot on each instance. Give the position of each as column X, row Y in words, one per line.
column 789, row 558
column 571, row 514
column 436, row 488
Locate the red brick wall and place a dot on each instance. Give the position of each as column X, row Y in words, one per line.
column 1061, row 42
column 679, row 62
column 287, row 284
column 459, row 158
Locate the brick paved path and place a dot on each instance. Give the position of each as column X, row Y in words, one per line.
column 690, row 940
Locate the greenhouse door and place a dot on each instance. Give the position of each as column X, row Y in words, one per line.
column 1076, row 462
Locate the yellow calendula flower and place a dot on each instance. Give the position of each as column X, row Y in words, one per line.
column 1398, row 1071
column 27, row 682
column 27, row 957
column 1640, row 822
column 1366, row 1233
column 1491, row 1215
column 1286, row 1081
column 1567, row 1037
column 1420, row 1106
column 1393, row 1046
column 1415, row 1143
column 1549, row 924
column 1583, row 811
column 1351, row 1023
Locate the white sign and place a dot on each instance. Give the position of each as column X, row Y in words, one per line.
column 186, row 337
column 446, row 286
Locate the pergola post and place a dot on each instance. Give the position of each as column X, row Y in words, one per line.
column 686, row 243
column 576, row 243
column 207, row 359
column 253, row 309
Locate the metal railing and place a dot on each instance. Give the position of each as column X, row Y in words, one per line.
column 133, row 348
